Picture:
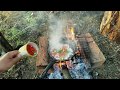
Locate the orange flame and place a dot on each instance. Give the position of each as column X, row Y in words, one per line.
column 72, row 30
column 69, row 32
column 72, row 33
column 60, row 64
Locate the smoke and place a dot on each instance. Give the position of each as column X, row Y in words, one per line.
column 56, row 27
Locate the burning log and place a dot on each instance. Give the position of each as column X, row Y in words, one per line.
column 70, row 70
column 70, row 32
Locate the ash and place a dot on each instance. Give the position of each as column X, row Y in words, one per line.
column 79, row 70
column 56, row 75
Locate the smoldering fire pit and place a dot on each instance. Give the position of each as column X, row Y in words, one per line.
column 73, row 68
column 67, row 63
column 74, row 61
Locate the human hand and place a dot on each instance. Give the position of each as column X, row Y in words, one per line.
column 8, row 60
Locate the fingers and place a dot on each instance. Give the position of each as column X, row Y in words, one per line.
column 13, row 54
column 17, row 58
column 9, row 59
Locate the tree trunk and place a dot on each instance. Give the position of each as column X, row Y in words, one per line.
column 110, row 25
column 5, row 44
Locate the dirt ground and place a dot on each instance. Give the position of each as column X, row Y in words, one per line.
column 85, row 21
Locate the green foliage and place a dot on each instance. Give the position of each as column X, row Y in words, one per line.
column 19, row 27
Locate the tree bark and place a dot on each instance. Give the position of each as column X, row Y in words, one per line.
column 110, row 25
column 5, row 44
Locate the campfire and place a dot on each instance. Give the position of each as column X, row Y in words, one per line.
column 68, row 57
column 65, row 52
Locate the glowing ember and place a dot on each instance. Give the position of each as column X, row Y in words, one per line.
column 31, row 50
